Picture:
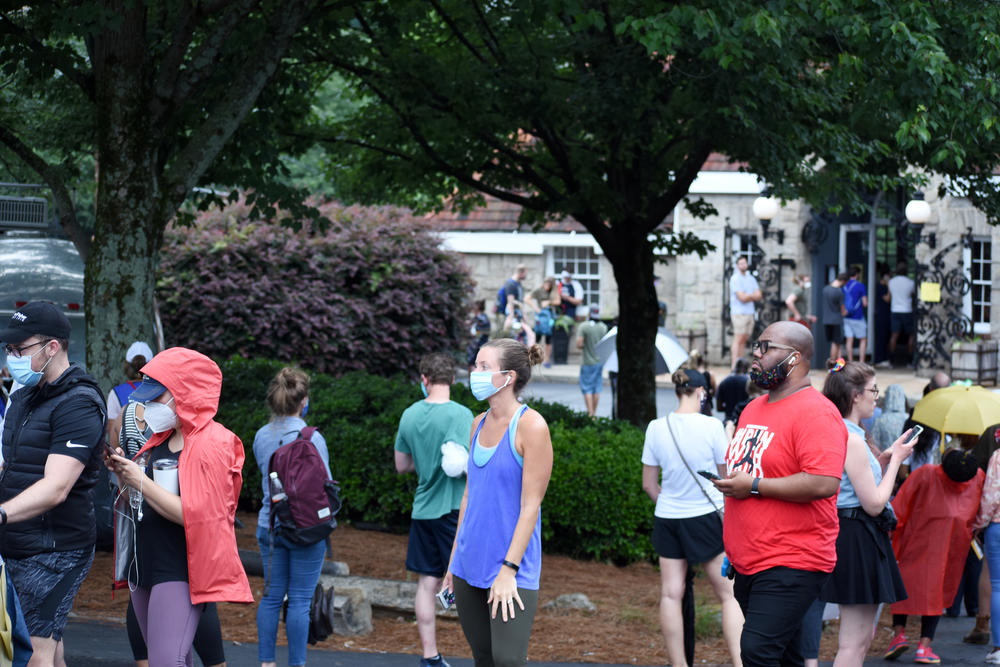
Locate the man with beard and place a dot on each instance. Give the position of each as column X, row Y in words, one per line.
column 785, row 461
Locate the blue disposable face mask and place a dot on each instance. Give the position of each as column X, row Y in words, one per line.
column 305, row 410
column 20, row 369
column 481, row 383
column 423, row 388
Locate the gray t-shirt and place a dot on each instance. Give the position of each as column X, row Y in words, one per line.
column 833, row 300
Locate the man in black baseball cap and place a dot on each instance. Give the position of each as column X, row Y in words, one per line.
column 51, row 450
column 36, row 318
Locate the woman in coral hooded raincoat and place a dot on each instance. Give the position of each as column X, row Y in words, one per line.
column 185, row 544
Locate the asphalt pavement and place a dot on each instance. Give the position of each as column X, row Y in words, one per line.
column 93, row 644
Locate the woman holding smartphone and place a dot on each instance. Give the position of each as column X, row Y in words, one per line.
column 866, row 573
column 497, row 556
column 688, row 528
column 185, row 542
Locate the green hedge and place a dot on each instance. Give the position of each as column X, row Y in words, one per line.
column 594, row 507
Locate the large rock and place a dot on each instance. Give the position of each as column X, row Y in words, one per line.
column 384, row 593
column 576, row 601
column 352, row 613
column 254, row 567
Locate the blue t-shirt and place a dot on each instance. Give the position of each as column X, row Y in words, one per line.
column 747, row 284
column 854, row 292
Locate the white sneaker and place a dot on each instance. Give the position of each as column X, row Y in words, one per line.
column 993, row 657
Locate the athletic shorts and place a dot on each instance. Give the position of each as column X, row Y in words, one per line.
column 696, row 540
column 590, row 378
column 429, row 548
column 742, row 324
column 46, row 585
column 855, row 328
column 543, row 339
column 901, row 322
column 834, row 333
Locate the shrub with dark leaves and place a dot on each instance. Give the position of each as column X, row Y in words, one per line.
column 373, row 292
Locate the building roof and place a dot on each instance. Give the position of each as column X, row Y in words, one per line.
column 495, row 215
column 498, row 215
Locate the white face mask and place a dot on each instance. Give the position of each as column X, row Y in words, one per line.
column 158, row 417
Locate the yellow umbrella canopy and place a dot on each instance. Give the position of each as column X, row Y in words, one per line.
column 959, row 409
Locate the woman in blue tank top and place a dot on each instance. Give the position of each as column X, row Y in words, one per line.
column 497, row 556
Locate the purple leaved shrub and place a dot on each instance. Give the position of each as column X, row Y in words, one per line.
column 373, row 292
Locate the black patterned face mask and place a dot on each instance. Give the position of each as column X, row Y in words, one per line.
column 772, row 377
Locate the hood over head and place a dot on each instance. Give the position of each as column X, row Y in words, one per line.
column 194, row 380
column 895, row 399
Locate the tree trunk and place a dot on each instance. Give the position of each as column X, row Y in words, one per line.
column 121, row 267
column 637, row 308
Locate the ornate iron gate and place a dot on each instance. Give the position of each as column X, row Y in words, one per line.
column 939, row 324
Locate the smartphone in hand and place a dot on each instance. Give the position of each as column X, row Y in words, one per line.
column 915, row 432
column 445, row 598
column 708, row 475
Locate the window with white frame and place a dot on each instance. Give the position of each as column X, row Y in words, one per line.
column 746, row 246
column 585, row 266
column 978, row 302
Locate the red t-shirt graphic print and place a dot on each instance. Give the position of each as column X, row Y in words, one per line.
column 803, row 432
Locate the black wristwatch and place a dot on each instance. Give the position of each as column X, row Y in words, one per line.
column 754, row 491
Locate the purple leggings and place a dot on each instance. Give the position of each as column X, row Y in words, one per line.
column 175, row 621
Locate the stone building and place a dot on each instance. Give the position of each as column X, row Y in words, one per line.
column 950, row 254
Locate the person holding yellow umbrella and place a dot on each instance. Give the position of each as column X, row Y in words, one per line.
column 961, row 408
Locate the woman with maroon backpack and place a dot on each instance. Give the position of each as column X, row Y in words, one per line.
column 289, row 568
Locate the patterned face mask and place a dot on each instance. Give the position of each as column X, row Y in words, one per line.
column 772, row 377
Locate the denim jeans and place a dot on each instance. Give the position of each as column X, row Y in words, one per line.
column 992, row 544
column 291, row 570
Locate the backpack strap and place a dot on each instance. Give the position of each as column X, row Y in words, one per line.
column 307, row 433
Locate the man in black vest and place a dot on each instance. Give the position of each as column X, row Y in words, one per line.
column 51, row 455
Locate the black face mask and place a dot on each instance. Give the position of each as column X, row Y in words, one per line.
column 772, row 377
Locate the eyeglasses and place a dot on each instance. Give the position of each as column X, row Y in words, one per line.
column 18, row 351
column 765, row 345
column 874, row 391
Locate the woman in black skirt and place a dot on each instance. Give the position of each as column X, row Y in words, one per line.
column 866, row 573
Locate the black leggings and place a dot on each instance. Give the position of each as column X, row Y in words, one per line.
column 928, row 624
column 207, row 639
column 494, row 643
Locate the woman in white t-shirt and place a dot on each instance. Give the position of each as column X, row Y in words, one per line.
column 688, row 528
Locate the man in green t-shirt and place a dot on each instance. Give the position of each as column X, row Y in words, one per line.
column 589, row 333
column 423, row 428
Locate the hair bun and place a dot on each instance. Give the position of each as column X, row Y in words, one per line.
column 536, row 355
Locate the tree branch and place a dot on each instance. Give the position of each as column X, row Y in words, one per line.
column 661, row 206
column 177, row 86
column 456, row 31
column 249, row 78
column 49, row 174
column 52, row 56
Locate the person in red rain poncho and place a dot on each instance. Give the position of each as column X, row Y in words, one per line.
column 936, row 507
column 185, row 543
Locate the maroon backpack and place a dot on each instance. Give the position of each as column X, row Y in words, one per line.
column 307, row 515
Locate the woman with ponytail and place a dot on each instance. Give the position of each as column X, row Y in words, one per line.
column 497, row 556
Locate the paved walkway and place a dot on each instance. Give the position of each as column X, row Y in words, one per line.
column 912, row 385
column 90, row 644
